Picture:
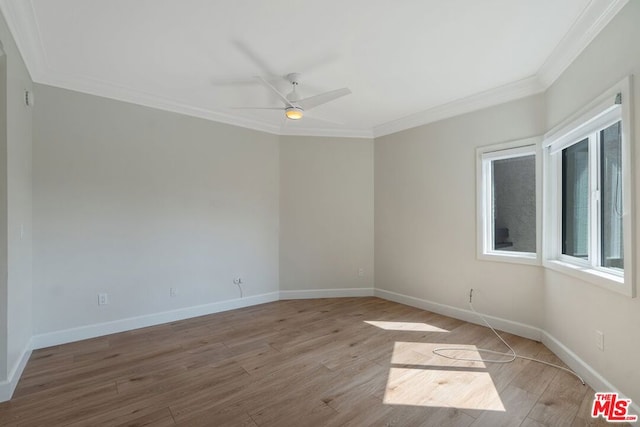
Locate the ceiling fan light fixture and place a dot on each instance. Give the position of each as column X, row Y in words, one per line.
column 294, row 113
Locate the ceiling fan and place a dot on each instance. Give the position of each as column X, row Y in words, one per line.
column 294, row 107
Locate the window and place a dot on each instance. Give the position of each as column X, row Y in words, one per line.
column 580, row 168
column 575, row 200
column 587, row 194
column 508, row 217
column 612, row 248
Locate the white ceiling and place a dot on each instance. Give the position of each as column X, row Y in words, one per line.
column 407, row 62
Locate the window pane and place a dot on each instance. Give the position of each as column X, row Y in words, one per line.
column 611, row 196
column 575, row 200
column 514, row 204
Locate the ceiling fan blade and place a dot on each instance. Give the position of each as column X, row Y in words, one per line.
column 309, row 67
column 254, row 57
column 258, row 108
column 233, row 82
column 323, row 98
column 275, row 91
column 242, row 82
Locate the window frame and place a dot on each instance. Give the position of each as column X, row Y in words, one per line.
column 587, row 123
column 484, row 156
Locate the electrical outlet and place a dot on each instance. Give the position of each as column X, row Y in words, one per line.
column 600, row 340
column 173, row 292
column 103, row 299
column 361, row 272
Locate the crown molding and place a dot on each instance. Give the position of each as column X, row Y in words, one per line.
column 591, row 21
column 327, row 132
column 120, row 93
column 587, row 26
column 491, row 97
column 22, row 22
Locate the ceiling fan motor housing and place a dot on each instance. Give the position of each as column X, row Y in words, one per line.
column 294, row 113
column 294, row 78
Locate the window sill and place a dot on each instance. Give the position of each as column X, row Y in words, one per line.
column 512, row 257
column 599, row 278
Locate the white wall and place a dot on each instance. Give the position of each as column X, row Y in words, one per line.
column 574, row 309
column 131, row 201
column 326, row 213
column 16, row 280
column 4, row 269
column 425, row 214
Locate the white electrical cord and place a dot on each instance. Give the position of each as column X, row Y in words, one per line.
column 512, row 355
column 240, row 287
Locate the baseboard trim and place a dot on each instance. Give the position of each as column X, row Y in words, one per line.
column 588, row 374
column 505, row 325
column 107, row 328
column 100, row 329
column 8, row 386
column 327, row 293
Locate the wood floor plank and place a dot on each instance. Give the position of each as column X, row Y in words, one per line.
column 149, row 416
column 362, row 380
column 214, row 400
column 534, row 378
column 240, row 419
column 365, row 411
column 36, row 409
column 559, row 403
column 324, row 362
column 293, row 410
column 528, row 422
column 517, row 403
column 437, row 416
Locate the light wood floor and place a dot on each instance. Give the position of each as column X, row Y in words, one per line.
column 323, row 362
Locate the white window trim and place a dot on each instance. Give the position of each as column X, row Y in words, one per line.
column 598, row 114
column 523, row 147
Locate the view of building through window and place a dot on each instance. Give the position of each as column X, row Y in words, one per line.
column 514, row 204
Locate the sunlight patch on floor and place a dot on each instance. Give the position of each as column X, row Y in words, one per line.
column 405, row 326
column 421, row 353
column 420, row 378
